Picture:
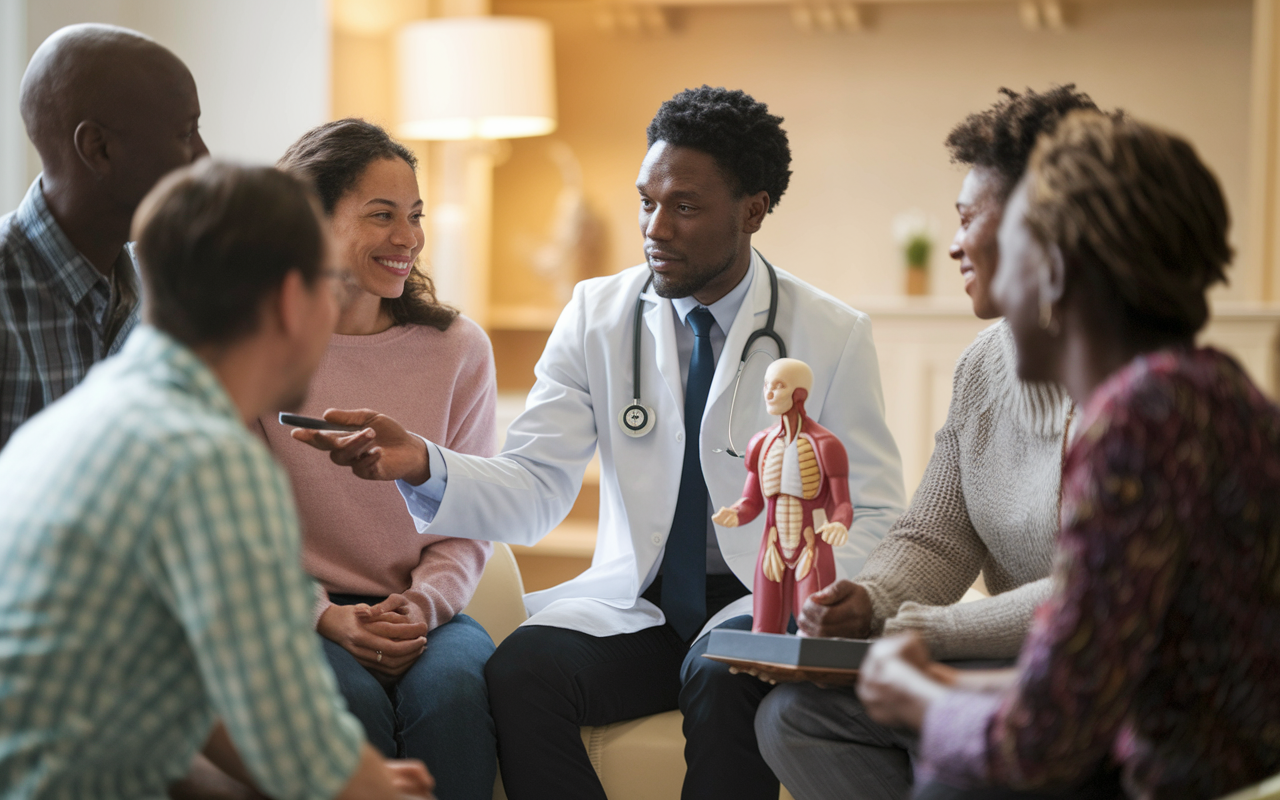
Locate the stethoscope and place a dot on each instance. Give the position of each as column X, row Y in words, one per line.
column 637, row 419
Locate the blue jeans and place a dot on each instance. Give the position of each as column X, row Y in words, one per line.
column 438, row 711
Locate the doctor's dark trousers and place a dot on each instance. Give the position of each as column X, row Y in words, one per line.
column 544, row 683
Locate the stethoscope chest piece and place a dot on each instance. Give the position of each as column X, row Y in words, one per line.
column 636, row 420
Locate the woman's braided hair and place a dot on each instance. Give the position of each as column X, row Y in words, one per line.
column 1137, row 211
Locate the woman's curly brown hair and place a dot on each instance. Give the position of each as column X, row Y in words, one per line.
column 1002, row 137
column 332, row 157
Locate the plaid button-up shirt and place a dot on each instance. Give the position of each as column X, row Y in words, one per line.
column 58, row 315
column 150, row 581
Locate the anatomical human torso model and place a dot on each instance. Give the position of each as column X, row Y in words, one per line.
column 798, row 474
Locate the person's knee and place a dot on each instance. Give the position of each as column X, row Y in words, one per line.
column 709, row 688
column 465, row 679
column 775, row 726
column 366, row 698
column 465, row 637
column 448, row 682
column 458, row 652
column 705, row 677
column 522, row 668
column 358, row 686
column 505, row 665
column 797, row 713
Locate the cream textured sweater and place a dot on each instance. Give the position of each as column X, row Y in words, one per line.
column 988, row 502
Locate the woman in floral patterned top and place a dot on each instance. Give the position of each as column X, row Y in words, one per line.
column 1159, row 652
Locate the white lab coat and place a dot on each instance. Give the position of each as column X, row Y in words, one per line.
column 584, row 380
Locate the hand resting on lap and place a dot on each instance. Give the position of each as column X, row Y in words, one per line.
column 395, row 627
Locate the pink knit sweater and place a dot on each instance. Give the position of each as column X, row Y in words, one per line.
column 357, row 536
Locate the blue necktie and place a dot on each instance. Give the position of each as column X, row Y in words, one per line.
column 684, row 565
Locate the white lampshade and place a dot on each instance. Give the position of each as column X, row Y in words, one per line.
column 477, row 78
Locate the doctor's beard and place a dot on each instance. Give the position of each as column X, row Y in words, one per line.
column 688, row 281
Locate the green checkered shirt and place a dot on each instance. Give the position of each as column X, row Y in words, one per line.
column 150, row 581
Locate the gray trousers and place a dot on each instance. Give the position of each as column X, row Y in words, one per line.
column 821, row 744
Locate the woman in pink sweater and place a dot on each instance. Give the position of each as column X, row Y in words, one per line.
column 408, row 662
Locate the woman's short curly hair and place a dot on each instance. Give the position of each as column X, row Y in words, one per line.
column 1137, row 212
column 742, row 136
column 1002, row 137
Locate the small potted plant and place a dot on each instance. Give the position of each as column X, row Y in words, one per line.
column 913, row 231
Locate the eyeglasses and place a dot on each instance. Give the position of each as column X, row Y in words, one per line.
column 344, row 286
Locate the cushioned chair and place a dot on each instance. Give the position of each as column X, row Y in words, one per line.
column 498, row 603
column 1267, row 790
column 640, row 759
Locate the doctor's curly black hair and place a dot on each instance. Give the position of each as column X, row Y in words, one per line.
column 1002, row 137
column 742, row 136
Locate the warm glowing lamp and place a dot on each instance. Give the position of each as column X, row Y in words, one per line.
column 476, row 78
column 471, row 79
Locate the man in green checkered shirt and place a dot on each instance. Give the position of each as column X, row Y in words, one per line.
column 150, row 579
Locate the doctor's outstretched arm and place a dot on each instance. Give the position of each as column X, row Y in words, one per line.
column 515, row 497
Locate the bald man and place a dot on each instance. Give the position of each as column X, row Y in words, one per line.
column 110, row 112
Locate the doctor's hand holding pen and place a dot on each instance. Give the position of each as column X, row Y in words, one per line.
column 379, row 450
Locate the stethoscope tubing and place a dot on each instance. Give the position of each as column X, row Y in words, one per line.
column 767, row 331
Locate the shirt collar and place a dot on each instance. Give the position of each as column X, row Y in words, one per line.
column 65, row 264
column 725, row 310
column 170, row 361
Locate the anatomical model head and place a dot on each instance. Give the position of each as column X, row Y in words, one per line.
column 781, row 380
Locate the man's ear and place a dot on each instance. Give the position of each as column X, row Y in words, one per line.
column 1054, row 276
column 291, row 304
column 799, row 395
column 756, row 206
column 92, row 143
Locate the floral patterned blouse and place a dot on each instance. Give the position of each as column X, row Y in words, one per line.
column 1160, row 647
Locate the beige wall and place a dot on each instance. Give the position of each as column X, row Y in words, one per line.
column 866, row 114
column 13, row 139
column 261, row 68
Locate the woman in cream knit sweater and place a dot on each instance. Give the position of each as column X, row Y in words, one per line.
column 988, row 503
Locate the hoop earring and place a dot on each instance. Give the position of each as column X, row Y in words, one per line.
column 1047, row 322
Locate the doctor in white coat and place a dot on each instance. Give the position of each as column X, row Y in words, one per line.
column 613, row 644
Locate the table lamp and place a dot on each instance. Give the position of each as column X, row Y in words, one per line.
column 468, row 80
